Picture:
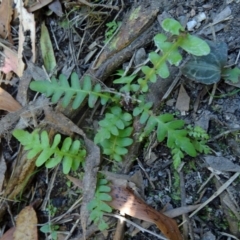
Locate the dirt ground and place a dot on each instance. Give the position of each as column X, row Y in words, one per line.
column 216, row 109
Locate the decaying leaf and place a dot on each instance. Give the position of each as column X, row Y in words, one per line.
column 47, row 50
column 11, row 61
column 38, row 5
column 3, row 168
column 7, row 102
column 27, row 23
column 183, row 100
column 26, row 225
column 9, row 234
column 5, row 18
column 127, row 203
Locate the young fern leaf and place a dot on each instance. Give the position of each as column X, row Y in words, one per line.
column 98, row 205
column 78, row 92
column 115, row 146
column 71, row 154
column 114, row 133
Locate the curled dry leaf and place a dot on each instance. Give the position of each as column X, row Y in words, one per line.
column 26, row 225
column 7, row 102
column 126, row 202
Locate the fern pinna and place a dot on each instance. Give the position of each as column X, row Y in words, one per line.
column 114, row 133
column 71, row 154
column 76, row 91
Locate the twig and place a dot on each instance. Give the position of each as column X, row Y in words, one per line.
column 98, row 5
column 218, row 192
column 135, row 225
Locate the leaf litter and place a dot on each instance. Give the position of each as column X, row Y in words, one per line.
column 158, row 170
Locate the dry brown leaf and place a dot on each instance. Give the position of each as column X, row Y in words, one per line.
column 124, row 200
column 9, row 234
column 127, row 203
column 5, row 18
column 183, row 100
column 7, row 102
column 10, row 61
column 38, row 5
column 26, row 225
column 3, row 168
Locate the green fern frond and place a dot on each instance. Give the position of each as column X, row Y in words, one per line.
column 114, row 121
column 78, row 92
column 115, row 146
column 114, row 133
column 71, row 154
column 143, row 109
column 98, row 205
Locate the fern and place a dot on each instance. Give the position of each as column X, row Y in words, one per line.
column 71, row 154
column 181, row 141
column 97, row 206
column 114, row 133
column 56, row 89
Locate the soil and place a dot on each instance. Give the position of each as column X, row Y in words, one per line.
column 162, row 187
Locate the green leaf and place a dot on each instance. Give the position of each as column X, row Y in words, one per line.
column 150, row 73
column 195, row 45
column 231, row 74
column 47, row 50
column 163, row 71
column 207, row 69
column 172, row 26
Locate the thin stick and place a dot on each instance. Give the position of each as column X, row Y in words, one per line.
column 218, row 192
column 135, row 225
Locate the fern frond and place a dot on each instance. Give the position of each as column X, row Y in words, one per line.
column 115, row 146
column 98, row 205
column 71, row 153
column 76, row 91
column 114, row 133
column 114, row 121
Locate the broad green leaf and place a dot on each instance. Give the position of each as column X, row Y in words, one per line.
column 195, row 45
column 207, row 69
column 47, row 49
column 172, row 26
